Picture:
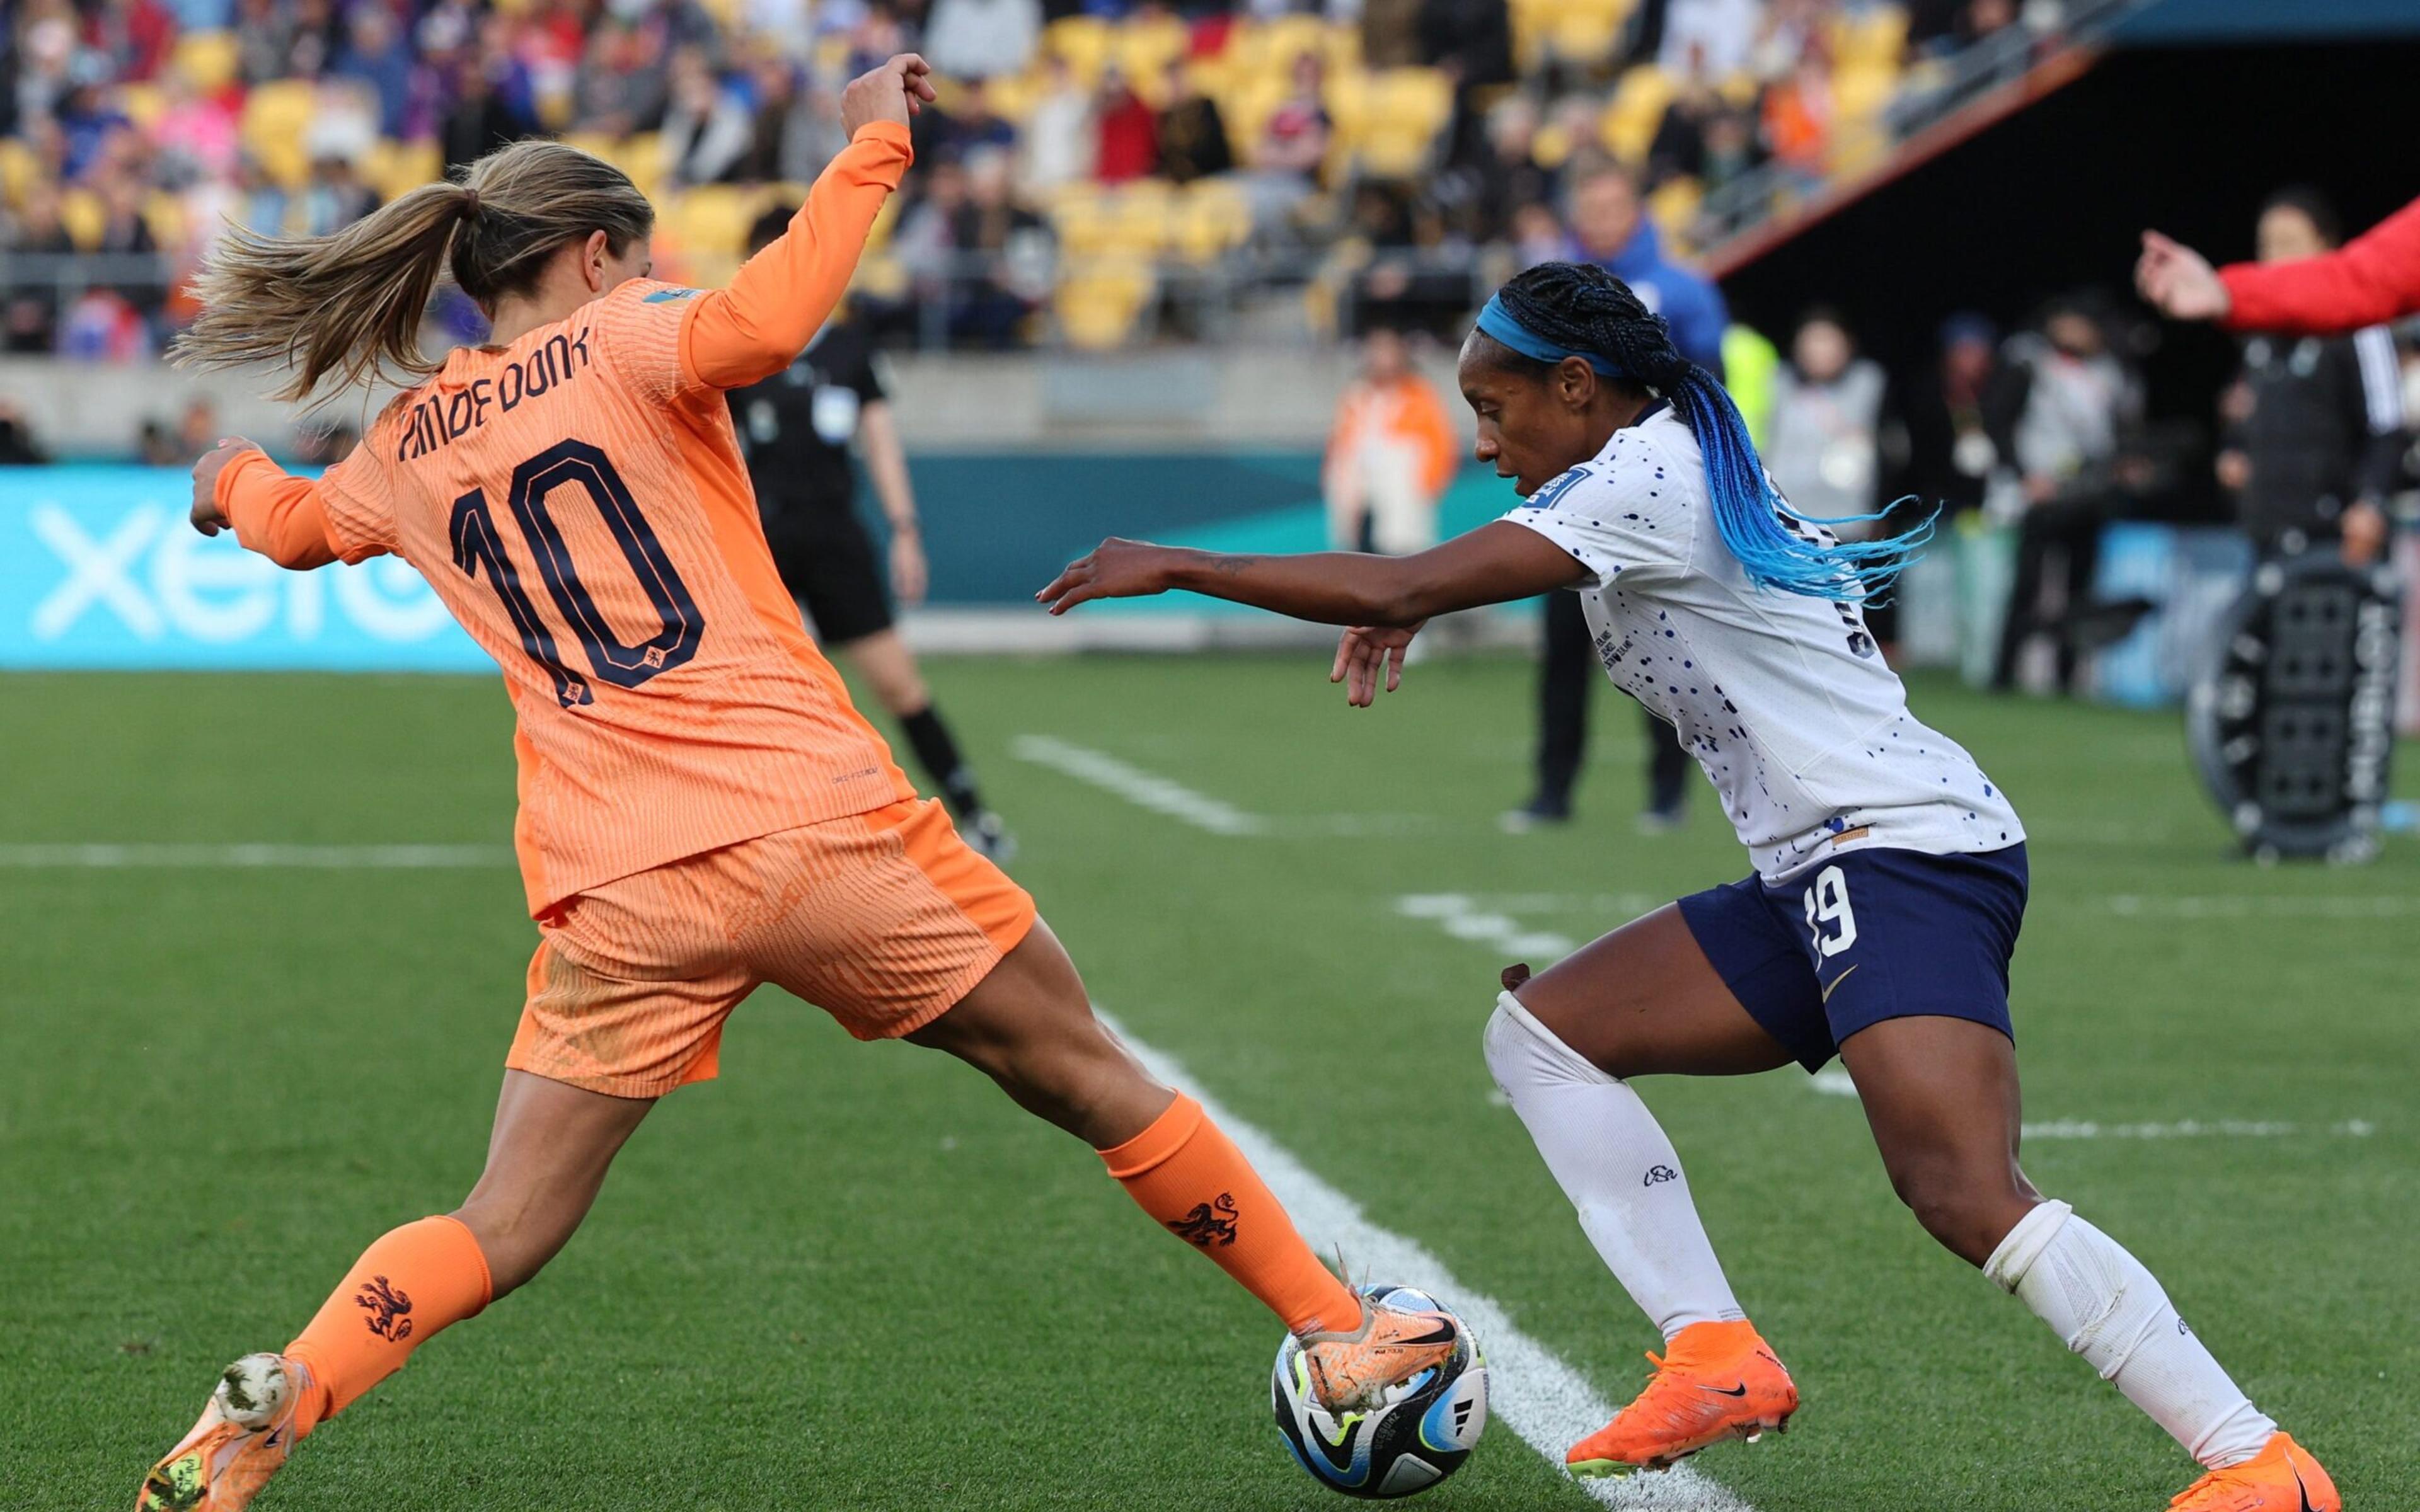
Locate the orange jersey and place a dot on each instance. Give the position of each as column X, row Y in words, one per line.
column 579, row 501
column 1405, row 414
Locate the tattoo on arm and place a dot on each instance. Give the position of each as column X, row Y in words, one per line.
column 1229, row 566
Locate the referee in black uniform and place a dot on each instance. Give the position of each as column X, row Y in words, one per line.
column 796, row 429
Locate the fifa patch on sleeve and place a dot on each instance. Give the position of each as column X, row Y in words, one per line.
column 1552, row 494
column 666, row 296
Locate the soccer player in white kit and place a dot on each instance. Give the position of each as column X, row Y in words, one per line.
column 1889, row 887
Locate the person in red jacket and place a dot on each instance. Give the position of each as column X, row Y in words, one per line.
column 2373, row 278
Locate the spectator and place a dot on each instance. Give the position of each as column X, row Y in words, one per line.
column 798, row 125
column 968, row 123
column 377, row 55
column 1798, row 117
column 1511, row 176
column 968, row 211
column 86, row 119
column 1129, row 143
column 1061, row 139
column 135, row 36
column 1192, row 134
column 198, row 428
column 1950, row 453
column 1732, row 148
column 1391, row 451
column 480, row 119
column 2319, row 446
column 195, row 134
column 2061, row 406
column 1470, row 41
column 1825, row 440
column 156, row 445
column 1390, row 33
column 623, row 88
column 708, row 130
column 334, row 197
column 982, row 39
column 1608, row 230
column 103, row 326
column 1287, row 161
column 1708, row 38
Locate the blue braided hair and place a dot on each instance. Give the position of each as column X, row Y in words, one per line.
column 1558, row 310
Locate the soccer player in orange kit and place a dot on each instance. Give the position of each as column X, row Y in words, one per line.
column 701, row 810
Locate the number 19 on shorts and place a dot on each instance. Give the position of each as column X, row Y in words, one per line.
column 1830, row 917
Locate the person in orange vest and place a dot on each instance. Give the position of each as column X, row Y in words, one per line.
column 1390, row 454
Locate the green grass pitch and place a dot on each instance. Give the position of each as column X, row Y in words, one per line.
column 853, row 1276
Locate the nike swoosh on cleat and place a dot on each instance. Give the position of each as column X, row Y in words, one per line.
column 2302, row 1489
column 1740, row 1390
column 1444, row 1335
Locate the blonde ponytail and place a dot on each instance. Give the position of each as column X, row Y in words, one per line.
column 349, row 306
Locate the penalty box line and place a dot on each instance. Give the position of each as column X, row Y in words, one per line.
column 1531, row 1391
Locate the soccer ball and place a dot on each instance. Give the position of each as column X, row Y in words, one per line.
column 1420, row 1435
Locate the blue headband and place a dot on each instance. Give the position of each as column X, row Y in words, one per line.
column 1497, row 322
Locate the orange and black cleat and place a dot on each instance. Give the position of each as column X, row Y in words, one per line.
column 2282, row 1478
column 241, row 1440
column 1350, row 1371
column 1715, row 1382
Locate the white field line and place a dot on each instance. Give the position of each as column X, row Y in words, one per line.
column 1166, row 796
column 1529, row 1390
column 321, row 858
column 1489, row 920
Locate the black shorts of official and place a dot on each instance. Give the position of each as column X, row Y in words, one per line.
column 832, row 571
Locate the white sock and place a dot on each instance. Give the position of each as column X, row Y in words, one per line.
column 1618, row 1169
column 2109, row 1309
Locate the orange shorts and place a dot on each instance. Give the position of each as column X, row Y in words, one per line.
column 883, row 919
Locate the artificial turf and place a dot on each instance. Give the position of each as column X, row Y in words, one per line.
column 853, row 1276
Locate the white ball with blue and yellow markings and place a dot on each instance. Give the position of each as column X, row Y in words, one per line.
column 1420, row 1434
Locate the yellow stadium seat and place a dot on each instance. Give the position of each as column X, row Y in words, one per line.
column 1080, row 213
column 1635, row 110
column 1859, row 93
column 17, row 170
column 1140, row 218
column 206, row 59
column 276, row 115
column 1211, row 217
column 1082, row 42
column 1674, row 208
column 880, row 275
column 710, row 221
column 396, row 168
column 80, row 214
column 1146, row 49
column 1586, row 31
column 1097, row 302
column 1877, row 39
column 164, row 213
column 143, row 103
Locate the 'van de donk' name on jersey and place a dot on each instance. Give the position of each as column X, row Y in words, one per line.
column 442, row 418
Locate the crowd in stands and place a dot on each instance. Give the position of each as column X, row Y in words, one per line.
column 1087, row 155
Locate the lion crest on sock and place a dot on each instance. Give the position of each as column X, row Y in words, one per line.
column 389, row 1309
column 1208, row 1224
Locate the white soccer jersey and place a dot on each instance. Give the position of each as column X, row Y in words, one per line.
column 1783, row 699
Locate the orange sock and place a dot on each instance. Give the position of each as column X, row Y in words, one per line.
column 414, row 1281
column 1191, row 1176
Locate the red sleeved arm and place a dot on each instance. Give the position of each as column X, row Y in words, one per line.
column 280, row 515
column 2372, row 279
column 755, row 327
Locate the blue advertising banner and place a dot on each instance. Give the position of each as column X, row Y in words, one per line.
column 99, row 569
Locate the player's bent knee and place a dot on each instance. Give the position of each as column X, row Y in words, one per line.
column 1968, row 1212
column 1522, row 1052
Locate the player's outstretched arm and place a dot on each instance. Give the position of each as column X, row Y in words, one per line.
column 1494, row 563
column 779, row 299
column 238, row 488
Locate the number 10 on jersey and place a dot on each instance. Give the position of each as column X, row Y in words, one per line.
column 479, row 548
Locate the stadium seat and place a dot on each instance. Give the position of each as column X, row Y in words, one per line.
column 395, row 168
column 1586, row 31
column 1635, row 110
column 163, row 212
column 1860, row 92
column 1097, row 302
column 1147, row 51
column 80, row 215
column 1674, row 208
column 1082, row 42
column 17, row 170
column 711, row 221
column 276, row 116
column 1402, row 111
column 1212, row 218
column 206, row 59
column 143, row 103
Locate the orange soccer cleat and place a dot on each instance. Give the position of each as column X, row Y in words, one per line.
column 1349, row 1371
column 2282, row 1478
column 1715, row 1382
column 242, row 1437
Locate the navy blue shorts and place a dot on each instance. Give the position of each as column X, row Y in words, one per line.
column 1869, row 936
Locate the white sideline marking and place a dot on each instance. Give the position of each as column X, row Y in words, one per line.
column 1469, row 918
column 1529, row 1390
column 1166, row 796
column 2261, row 905
column 323, row 857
